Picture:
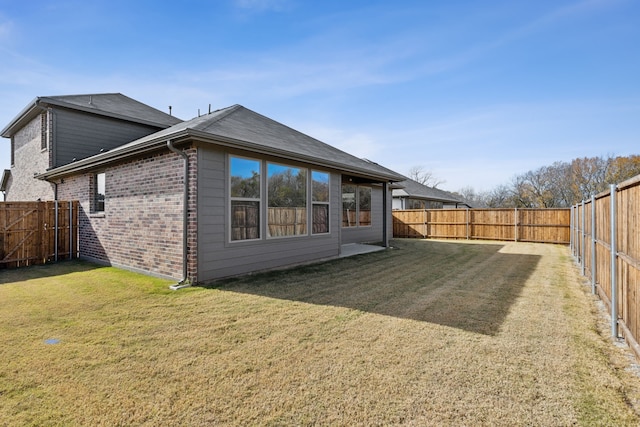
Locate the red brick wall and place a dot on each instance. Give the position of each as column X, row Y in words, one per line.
column 141, row 227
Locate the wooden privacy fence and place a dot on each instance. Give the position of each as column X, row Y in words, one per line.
column 521, row 225
column 605, row 241
column 281, row 221
column 37, row 232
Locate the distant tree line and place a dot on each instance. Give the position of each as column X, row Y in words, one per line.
column 561, row 184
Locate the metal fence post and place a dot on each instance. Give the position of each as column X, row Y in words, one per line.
column 593, row 244
column 571, row 225
column 583, row 238
column 614, row 266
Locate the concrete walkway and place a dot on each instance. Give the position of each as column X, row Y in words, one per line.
column 357, row 249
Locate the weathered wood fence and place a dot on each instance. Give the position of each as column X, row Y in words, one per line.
column 37, row 232
column 522, row 225
column 605, row 241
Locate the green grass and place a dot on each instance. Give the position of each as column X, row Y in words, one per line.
column 429, row 333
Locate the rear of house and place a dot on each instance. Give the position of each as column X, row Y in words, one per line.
column 227, row 193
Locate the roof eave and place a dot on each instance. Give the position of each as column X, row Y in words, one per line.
column 23, row 116
column 40, row 103
column 115, row 155
column 63, row 104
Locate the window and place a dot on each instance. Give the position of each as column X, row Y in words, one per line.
column 356, row 206
column 364, row 206
column 293, row 197
column 320, row 202
column 245, row 198
column 99, row 186
column 349, row 210
column 43, row 131
column 287, row 200
column 13, row 151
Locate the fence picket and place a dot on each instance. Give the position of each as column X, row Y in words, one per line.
column 525, row 225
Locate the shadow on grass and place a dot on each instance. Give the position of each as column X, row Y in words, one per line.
column 60, row 268
column 460, row 285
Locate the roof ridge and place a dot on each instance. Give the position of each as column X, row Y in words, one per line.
column 222, row 114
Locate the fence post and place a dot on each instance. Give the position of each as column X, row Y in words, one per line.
column 468, row 218
column 70, row 230
column 614, row 266
column 55, row 231
column 515, row 221
column 41, row 254
column 571, row 231
column 593, row 244
column 582, row 239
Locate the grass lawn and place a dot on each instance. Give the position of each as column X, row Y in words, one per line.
column 427, row 333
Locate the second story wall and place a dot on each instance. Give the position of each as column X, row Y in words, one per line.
column 30, row 155
column 79, row 135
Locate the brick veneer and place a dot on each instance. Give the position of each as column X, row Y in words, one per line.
column 141, row 227
column 29, row 159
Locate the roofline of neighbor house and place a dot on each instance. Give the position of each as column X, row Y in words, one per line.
column 126, row 151
column 42, row 102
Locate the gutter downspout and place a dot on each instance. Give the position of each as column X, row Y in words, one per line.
column 185, row 217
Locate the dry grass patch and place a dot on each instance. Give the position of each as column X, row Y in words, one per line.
column 429, row 333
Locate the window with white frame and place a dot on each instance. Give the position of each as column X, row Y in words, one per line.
column 245, row 198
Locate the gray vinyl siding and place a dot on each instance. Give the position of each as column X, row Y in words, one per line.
column 79, row 135
column 218, row 257
column 372, row 234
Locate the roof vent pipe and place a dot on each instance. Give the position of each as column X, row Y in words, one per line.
column 185, row 217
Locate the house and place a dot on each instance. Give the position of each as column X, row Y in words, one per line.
column 226, row 193
column 57, row 130
column 410, row 194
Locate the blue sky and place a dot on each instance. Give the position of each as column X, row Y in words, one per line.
column 474, row 91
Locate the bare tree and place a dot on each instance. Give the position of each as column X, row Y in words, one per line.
column 424, row 177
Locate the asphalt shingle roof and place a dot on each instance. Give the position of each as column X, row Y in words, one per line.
column 242, row 128
column 414, row 189
column 115, row 105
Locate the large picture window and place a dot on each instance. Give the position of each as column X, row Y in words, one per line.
column 356, row 206
column 320, row 202
column 283, row 200
column 245, row 198
column 287, row 200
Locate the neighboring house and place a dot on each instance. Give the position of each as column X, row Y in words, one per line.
column 413, row 195
column 259, row 195
column 57, row 130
